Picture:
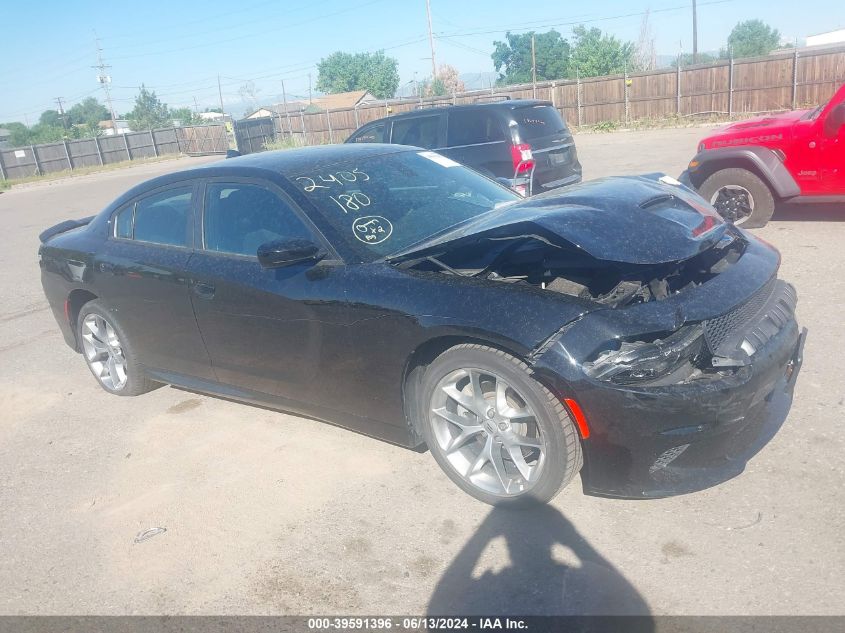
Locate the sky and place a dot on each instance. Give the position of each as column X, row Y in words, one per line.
column 178, row 49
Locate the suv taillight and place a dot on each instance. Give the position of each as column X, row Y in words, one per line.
column 522, row 158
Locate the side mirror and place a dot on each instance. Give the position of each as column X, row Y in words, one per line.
column 834, row 121
column 232, row 153
column 280, row 253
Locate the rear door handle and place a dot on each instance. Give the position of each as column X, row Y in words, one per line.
column 203, row 290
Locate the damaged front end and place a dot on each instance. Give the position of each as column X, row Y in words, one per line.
column 684, row 331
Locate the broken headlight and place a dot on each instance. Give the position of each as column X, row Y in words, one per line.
column 642, row 361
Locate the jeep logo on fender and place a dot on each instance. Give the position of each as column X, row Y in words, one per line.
column 750, row 140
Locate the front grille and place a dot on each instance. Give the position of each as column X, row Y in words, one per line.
column 716, row 331
column 764, row 314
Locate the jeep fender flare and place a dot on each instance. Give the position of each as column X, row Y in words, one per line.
column 759, row 160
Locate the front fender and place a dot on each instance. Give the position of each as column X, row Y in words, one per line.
column 760, row 160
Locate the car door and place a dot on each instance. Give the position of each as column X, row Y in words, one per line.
column 141, row 275
column 275, row 331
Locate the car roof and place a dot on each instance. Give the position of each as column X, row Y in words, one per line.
column 285, row 163
column 508, row 104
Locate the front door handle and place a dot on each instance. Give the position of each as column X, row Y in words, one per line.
column 203, row 290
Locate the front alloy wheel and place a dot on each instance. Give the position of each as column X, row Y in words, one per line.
column 487, row 432
column 496, row 432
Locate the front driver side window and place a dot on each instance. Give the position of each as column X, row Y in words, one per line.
column 241, row 217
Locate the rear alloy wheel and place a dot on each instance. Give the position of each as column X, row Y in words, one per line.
column 740, row 197
column 108, row 353
column 497, row 433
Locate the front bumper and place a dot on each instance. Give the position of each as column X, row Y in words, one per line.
column 648, row 442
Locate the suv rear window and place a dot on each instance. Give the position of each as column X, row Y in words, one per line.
column 470, row 127
column 537, row 121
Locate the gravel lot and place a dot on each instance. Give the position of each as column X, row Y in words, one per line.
column 268, row 513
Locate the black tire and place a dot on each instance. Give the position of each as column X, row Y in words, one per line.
column 563, row 457
column 762, row 200
column 136, row 382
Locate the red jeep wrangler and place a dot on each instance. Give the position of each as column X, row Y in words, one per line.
column 746, row 167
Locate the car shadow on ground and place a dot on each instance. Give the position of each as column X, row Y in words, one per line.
column 553, row 570
column 809, row 212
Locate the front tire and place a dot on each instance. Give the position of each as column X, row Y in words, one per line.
column 500, row 435
column 740, row 197
column 108, row 352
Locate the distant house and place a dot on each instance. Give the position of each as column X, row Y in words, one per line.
column 293, row 107
column 4, row 137
column 824, row 39
column 214, row 117
column 341, row 100
column 107, row 130
column 337, row 101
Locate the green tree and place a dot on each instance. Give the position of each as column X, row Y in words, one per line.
column 686, row 59
column 19, row 134
column 595, row 54
column 88, row 113
column 343, row 72
column 45, row 133
column 512, row 58
column 752, row 38
column 149, row 112
column 51, row 117
column 185, row 116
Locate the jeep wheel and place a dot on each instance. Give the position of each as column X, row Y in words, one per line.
column 740, row 197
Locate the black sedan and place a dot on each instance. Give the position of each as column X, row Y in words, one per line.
column 618, row 328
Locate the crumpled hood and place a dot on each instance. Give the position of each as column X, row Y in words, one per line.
column 635, row 220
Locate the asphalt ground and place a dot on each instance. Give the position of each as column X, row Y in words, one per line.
column 268, row 513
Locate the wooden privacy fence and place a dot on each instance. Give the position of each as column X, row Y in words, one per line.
column 781, row 81
column 33, row 160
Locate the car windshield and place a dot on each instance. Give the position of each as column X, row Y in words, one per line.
column 380, row 205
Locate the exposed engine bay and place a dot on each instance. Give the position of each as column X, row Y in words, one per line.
column 562, row 267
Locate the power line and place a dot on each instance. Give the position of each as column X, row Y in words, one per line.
column 246, row 35
column 513, row 28
column 104, row 80
column 431, row 41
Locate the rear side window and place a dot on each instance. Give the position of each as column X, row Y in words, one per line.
column 537, row 121
column 163, row 218
column 372, row 134
column 417, row 131
column 123, row 222
column 241, row 217
column 470, row 127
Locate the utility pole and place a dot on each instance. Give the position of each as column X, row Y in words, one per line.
column 220, row 94
column 694, row 34
column 105, row 80
column 287, row 113
column 533, row 69
column 61, row 112
column 309, row 89
column 431, row 41
column 196, row 106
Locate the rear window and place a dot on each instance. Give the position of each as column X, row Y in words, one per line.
column 537, row 121
column 470, row 127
